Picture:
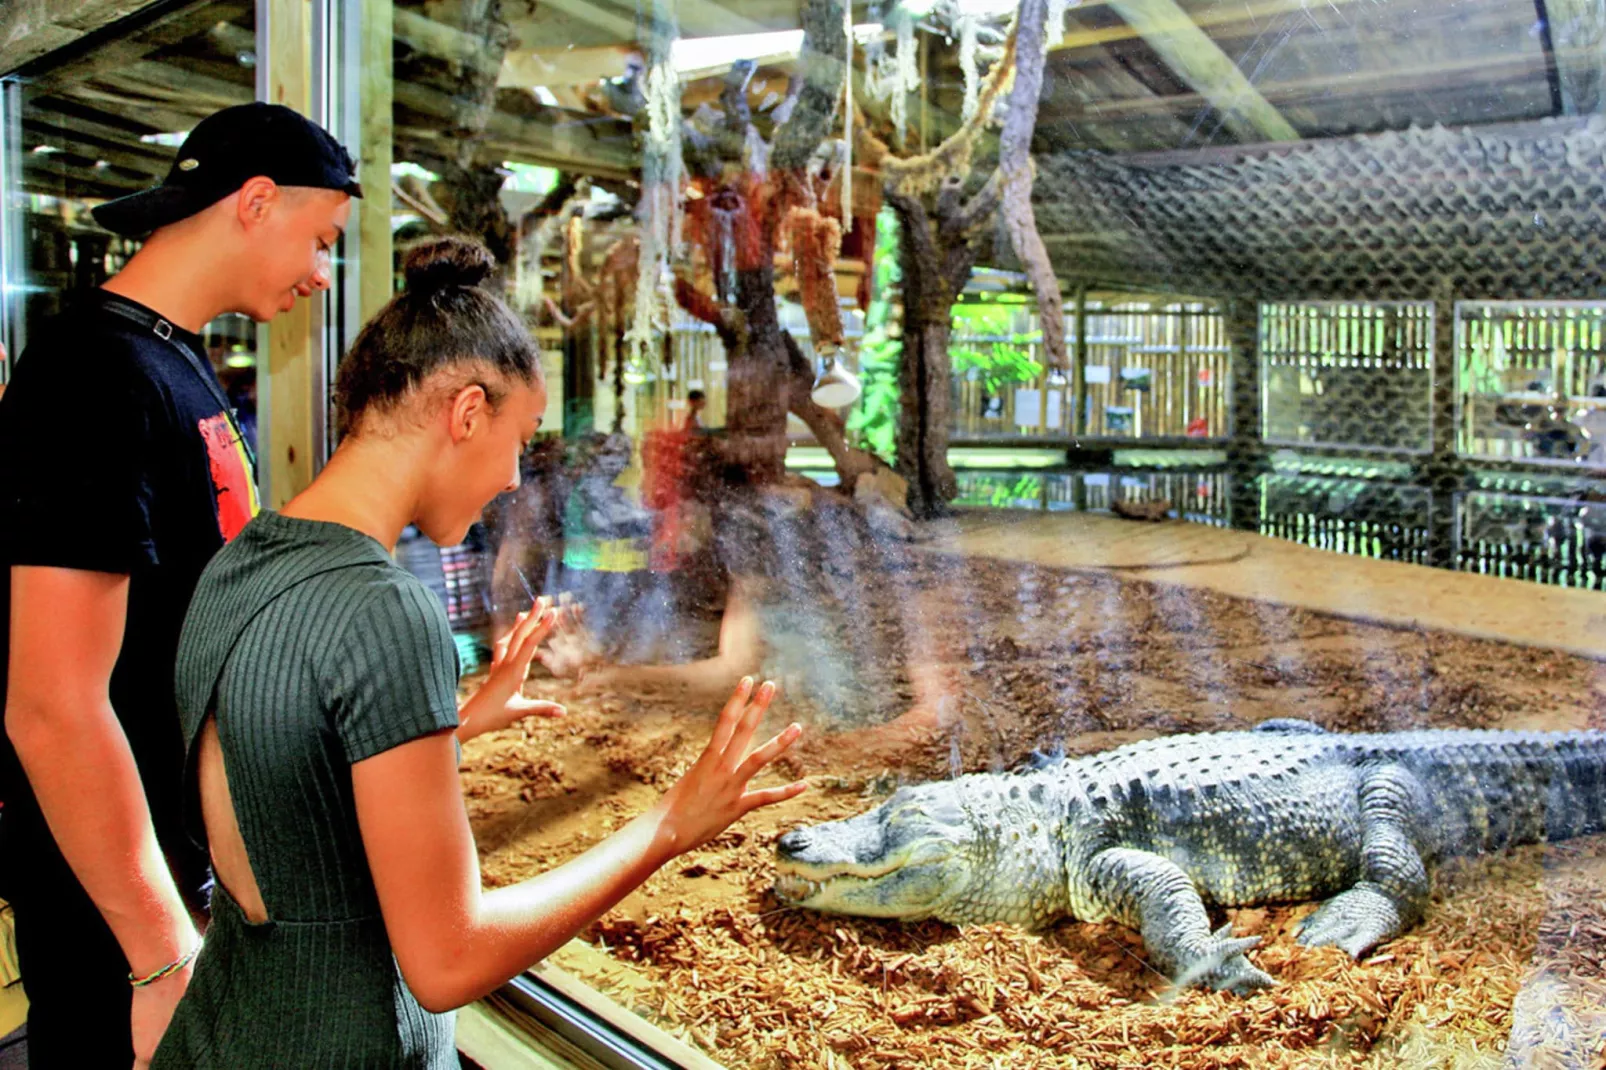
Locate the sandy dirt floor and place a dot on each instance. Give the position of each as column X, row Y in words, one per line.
column 929, row 664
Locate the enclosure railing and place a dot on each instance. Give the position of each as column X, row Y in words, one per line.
column 1530, row 381
column 1559, row 541
column 1351, row 516
column 1347, row 374
column 1196, row 495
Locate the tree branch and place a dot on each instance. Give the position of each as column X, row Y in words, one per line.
column 916, row 226
column 917, row 174
column 822, row 66
column 1015, row 164
column 976, row 211
column 569, row 323
column 705, row 308
column 829, row 429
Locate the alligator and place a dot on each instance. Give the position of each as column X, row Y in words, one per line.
column 1154, row 834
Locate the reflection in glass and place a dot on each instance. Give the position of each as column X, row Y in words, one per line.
column 107, row 124
column 1231, row 377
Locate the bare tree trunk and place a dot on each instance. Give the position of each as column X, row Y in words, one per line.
column 926, row 379
column 755, row 423
column 936, row 263
column 1017, row 170
column 470, row 176
column 470, row 193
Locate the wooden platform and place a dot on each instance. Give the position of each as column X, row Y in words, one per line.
column 1287, row 573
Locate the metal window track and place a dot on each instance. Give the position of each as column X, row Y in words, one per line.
column 580, row 1027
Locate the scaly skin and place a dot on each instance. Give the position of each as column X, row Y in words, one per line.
column 1154, row 833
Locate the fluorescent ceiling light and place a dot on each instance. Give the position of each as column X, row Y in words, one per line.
column 982, row 7
column 703, row 53
column 545, row 96
column 172, row 140
column 407, row 167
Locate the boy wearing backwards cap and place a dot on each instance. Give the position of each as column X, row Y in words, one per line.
column 128, row 488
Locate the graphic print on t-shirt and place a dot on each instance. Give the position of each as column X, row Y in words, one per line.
column 231, row 475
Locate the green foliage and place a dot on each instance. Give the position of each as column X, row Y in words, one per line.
column 998, row 493
column 1000, row 355
column 998, row 365
column 1026, row 488
column 873, row 423
column 984, row 317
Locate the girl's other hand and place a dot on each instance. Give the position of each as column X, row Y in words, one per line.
column 499, row 701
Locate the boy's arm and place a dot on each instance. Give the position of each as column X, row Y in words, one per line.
column 66, row 632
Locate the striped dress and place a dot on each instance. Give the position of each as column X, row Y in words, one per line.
column 316, row 651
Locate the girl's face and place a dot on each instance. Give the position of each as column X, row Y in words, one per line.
column 482, row 457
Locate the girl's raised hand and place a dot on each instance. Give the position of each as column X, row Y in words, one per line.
column 713, row 794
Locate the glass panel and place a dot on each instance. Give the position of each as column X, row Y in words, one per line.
column 1329, row 369
column 108, row 123
column 1233, row 443
column 1533, row 377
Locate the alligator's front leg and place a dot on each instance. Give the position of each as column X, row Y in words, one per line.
column 1153, row 895
column 1393, row 891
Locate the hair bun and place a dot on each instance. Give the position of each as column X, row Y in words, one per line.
column 438, row 263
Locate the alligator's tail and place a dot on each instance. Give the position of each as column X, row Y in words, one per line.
column 1494, row 789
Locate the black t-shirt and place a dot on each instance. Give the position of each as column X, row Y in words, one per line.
column 117, row 456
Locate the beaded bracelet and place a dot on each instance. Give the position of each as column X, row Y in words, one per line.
column 171, row 968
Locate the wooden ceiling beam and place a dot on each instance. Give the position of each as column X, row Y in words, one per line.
column 594, row 15
column 176, row 86
column 1207, row 70
column 1250, row 12
column 30, row 29
column 175, row 117
column 169, row 30
column 560, row 68
column 441, row 41
column 568, row 147
column 125, row 156
column 107, row 177
column 704, row 17
column 1228, row 155
column 425, row 144
column 1332, row 87
column 47, row 113
column 51, row 185
column 585, row 25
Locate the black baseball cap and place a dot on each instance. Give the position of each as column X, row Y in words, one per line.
column 222, row 153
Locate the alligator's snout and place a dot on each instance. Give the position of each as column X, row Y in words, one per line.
column 793, row 844
column 898, row 860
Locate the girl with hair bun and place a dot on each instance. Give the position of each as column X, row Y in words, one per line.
column 317, row 684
